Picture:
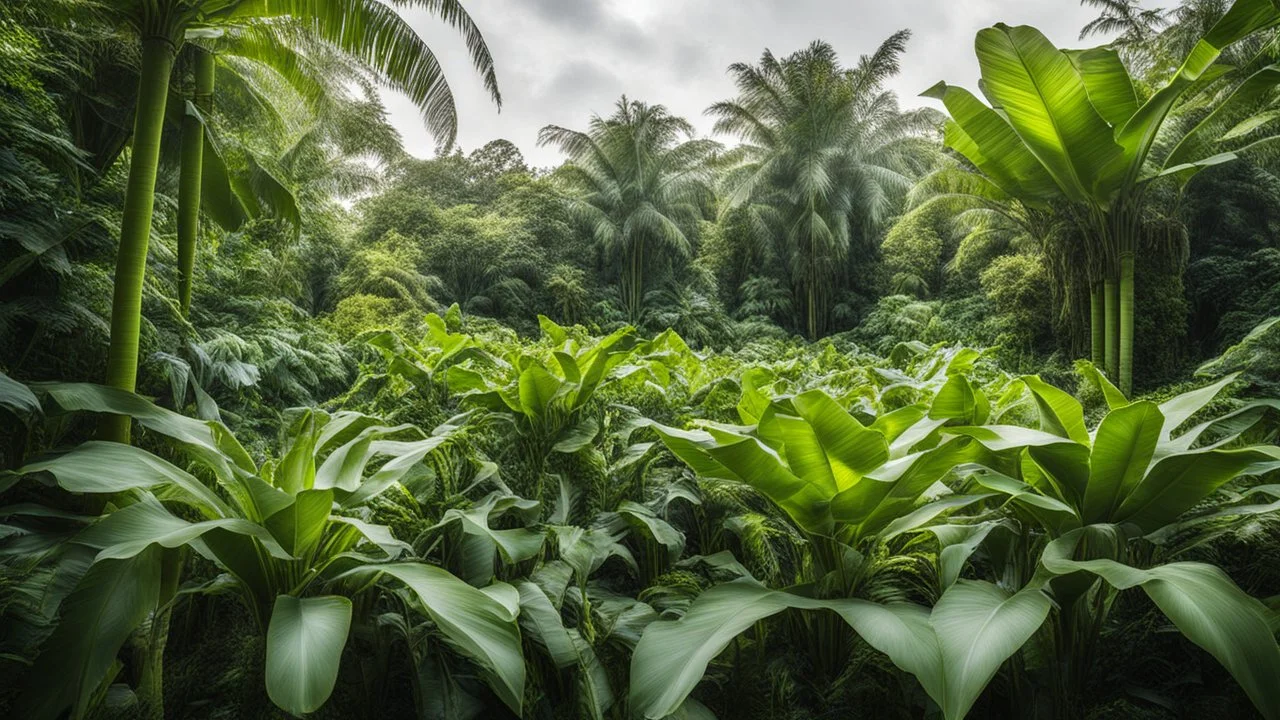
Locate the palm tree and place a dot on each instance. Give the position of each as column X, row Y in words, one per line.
column 1132, row 28
column 825, row 154
column 640, row 180
column 366, row 29
column 283, row 84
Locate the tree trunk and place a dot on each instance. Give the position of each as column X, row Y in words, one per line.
column 135, row 228
column 1125, row 308
column 1112, row 292
column 1098, row 324
column 190, row 176
column 812, row 313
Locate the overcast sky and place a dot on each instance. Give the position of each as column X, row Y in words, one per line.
column 559, row 61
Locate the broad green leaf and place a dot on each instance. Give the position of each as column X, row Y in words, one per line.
column 956, row 543
column 344, row 468
column 693, row 448
column 984, row 137
column 901, row 631
column 851, row 450
column 132, row 529
column 1122, row 451
column 760, row 467
column 960, row 400
column 474, row 622
column 804, row 453
column 895, row 488
column 379, row 535
column 1222, row 430
column 587, row 550
column 1115, row 399
column 218, row 197
column 17, row 398
column 577, row 437
column 107, row 468
column 554, row 332
column 110, row 601
column 404, row 456
column 1244, row 18
column 299, row 526
column 593, row 678
column 894, row 425
column 1178, row 410
column 538, row 389
column 673, row 655
column 752, row 404
column 565, row 647
column 297, row 471
column 304, row 648
column 978, row 627
column 928, row 512
column 655, row 527
column 1058, row 470
column 542, row 621
column 1205, row 606
column 516, row 544
column 1107, row 82
column 1176, row 483
column 1245, row 95
column 1046, row 102
column 1002, row 438
column 1055, row 515
column 1060, row 413
column 217, row 450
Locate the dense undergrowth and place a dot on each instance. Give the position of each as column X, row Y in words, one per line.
column 580, row 526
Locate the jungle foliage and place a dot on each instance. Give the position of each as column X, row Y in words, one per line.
column 851, row 410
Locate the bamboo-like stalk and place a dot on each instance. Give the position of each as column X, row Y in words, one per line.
column 1097, row 324
column 189, row 179
column 1112, row 292
column 1125, row 310
column 135, row 227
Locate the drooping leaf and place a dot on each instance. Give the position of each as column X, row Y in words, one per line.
column 978, row 627
column 304, row 648
column 477, row 624
column 1205, row 605
column 110, row 601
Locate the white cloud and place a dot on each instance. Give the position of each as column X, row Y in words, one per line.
column 559, row 61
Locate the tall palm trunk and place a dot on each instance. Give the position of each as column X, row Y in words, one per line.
column 190, row 175
column 135, row 228
column 812, row 302
column 633, row 285
column 1097, row 325
column 1125, row 310
column 1112, row 292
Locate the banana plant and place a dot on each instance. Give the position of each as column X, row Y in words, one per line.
column 424, row 365
column 288, row 533
column 1095, row 496
column 548, row 405
column 847, row 486
column 1068, row 126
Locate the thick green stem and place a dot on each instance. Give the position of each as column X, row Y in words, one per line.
column 190, row 176
column 1125, row 307
column 156, row 638
column 1112, row 292
column 1097, row 325
column 135, row 228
